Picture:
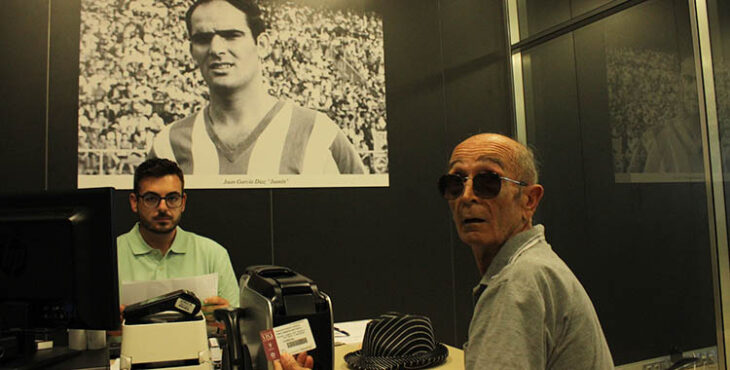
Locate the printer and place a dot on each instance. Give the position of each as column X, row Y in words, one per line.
column 165, row 332
column 272, row 296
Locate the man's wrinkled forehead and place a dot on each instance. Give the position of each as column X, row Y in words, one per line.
column 482, row 149
column 483, row 159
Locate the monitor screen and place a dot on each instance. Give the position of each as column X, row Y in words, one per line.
column 58, row 261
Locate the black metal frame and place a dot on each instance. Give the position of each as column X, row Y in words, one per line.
column 573, row 24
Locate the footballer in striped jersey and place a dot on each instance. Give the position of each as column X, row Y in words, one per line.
column 244, row 130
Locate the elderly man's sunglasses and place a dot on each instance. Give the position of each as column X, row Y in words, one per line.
column 484, row 185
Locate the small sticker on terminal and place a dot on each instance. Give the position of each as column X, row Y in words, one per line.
column 184, row 305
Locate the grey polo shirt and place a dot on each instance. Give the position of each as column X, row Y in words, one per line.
column 533, row 313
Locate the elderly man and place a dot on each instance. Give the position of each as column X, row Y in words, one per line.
column 531, row 312
column 157, row 248
column 244, row 130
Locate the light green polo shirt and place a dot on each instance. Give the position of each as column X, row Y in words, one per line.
column 190, row 255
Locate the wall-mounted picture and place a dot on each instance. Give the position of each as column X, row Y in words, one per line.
column 240, row 93
column 654, row 116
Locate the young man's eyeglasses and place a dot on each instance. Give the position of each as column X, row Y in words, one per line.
column 152, row 200
column 485, row 185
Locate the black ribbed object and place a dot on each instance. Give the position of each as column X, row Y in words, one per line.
column 396, row 341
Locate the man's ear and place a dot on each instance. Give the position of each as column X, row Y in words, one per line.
column 133, row 202
column 532, row 196
column 263, row 45
column 184, row 201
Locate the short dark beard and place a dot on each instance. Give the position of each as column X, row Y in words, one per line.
column 147, row 227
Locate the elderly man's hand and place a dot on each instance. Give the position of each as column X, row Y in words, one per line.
column 287, row 362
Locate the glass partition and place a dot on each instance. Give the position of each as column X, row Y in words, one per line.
column 718, row 104
column 538, row 15
column 612, row 111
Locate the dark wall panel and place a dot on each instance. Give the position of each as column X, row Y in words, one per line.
column 24, row 41
column 63, row 95
column 370, row 250
column 477, row 99
column 239, row 220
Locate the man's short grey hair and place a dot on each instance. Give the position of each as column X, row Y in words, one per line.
column 526, row 165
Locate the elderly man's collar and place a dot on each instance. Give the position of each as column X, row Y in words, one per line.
column 509, row 249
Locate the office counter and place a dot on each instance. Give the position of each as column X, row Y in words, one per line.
column 455, row 361
column 354, row 331
column 61, row 358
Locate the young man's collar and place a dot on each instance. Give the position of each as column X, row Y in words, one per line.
column 141, row 246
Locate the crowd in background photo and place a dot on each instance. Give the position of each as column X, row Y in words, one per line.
column 653, row 112
column 136, row 76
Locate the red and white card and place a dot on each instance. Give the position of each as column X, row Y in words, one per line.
column 292, row 338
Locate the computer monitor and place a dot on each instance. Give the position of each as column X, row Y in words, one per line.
column 58, row 261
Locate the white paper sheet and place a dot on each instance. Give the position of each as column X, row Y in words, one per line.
column 355, row 331
column 204, row 286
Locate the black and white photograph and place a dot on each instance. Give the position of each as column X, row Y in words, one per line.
column 653, row 112
column 241, row 94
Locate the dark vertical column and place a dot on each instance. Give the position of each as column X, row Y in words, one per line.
column 63, row 92
column 477, row 98
column 24, row 30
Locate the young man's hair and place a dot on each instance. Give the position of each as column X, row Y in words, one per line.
column 156, row 167
column 249, row 7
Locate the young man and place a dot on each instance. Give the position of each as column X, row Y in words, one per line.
column 244, row 130
column 531, row 312
column 157, row 248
